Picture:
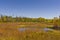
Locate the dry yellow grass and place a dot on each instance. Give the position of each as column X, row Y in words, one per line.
column 9, row 31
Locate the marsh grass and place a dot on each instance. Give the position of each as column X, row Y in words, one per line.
column 9, row 31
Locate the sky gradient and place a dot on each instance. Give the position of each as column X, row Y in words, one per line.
column 30, row 8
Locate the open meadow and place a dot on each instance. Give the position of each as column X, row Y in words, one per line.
column 16, row 31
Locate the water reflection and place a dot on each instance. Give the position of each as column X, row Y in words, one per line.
column 47, row 29
column 44, row 29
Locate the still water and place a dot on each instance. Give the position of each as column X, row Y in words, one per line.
column 44, row 29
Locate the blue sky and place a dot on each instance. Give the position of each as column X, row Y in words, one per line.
column 30, row 8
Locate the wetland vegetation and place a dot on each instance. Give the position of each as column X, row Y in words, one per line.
column 23, row 28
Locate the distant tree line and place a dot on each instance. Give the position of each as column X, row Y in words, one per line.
column 23, row 19
column 26, row 19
